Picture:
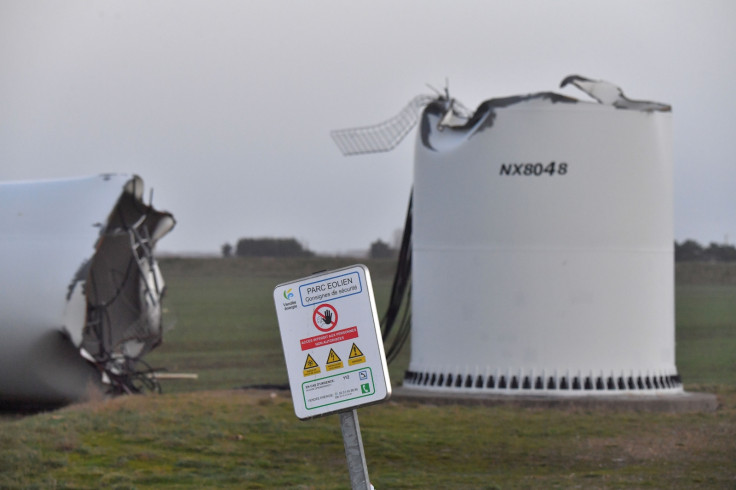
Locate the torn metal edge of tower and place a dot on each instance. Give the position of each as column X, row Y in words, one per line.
column 81, row 301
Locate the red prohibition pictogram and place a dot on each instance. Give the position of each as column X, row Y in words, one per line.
column 325, row 317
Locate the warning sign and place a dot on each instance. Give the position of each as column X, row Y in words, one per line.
column 356, row 356
column 325, row 317
column 333, row 361
column 311, row 367
column 334, row 364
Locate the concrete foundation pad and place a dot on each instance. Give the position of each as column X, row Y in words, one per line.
column 673, row 403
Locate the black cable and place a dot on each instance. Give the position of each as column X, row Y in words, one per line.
column 400, row 294
column 402, row 334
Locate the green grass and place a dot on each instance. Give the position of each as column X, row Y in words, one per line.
column 204, row 434
column 706, row 334
column 224, row 319
column 242, row 439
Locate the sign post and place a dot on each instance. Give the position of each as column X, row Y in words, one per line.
column 354, row 450
column 334, row 352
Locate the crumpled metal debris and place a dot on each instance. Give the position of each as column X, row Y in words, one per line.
column 81, row 302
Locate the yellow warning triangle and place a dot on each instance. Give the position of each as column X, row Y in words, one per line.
column 355, row 352
column 333, row 357
column 310, row 362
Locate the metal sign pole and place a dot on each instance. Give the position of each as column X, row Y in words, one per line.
column 354, row 450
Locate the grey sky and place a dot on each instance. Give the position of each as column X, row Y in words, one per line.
column 225, row 107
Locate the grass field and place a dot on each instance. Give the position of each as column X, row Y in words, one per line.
column 224, row 320
column 206, row 434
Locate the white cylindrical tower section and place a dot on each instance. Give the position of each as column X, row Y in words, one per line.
column 543, row 250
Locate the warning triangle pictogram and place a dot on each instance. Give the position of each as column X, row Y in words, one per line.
column 311, row 363
column 355, row 352
column 333, row 357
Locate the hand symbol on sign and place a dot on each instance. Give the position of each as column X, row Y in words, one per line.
column 324, row 317
column 328, row 317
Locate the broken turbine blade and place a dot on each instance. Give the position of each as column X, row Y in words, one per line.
column 383, row 136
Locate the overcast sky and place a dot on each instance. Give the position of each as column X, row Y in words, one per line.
column 225, row 107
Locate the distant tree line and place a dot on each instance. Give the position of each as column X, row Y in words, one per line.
column 266, row 247
column 687, row 251
column 692, row 251
column 290, row 247
column 381, row 250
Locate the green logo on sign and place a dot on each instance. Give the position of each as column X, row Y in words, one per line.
column 365, row 388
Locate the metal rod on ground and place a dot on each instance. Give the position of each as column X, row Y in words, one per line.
column 173, row 375
column 354, row 450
